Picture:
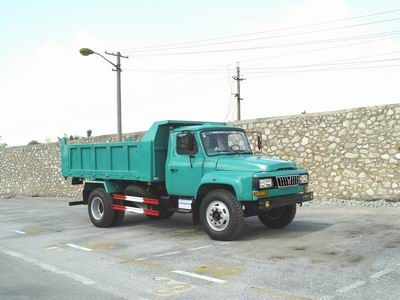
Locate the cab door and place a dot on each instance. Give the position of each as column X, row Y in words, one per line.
column 184, row 168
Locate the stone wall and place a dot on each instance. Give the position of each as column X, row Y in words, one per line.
column 350, row 154
column 34, row 170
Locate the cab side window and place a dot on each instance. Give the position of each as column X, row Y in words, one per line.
column 186, row 143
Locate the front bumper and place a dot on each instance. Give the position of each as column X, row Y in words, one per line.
column 254, row 207
column 274, row 202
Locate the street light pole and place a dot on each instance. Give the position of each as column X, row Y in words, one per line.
column 117, row 66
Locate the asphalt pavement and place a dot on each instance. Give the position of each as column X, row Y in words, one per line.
column 51, row 251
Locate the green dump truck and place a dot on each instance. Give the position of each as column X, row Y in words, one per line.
column 207, row 169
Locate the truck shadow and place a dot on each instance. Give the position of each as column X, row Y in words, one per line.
column 254, row 230
column 182, row 226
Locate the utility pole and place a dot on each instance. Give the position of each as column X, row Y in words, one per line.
column 238, row 99
column 118, row 70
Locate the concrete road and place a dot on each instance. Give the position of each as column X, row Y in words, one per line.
column 51, row 251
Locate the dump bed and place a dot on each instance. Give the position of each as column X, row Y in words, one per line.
column 117, row 160
column 142, row 160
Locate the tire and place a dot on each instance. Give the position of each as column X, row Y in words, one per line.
column 221, row 215
column 278, row 218
column 118, row 218
column 137, row 190
column 100, row 209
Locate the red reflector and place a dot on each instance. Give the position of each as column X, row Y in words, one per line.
column 119, row 207
column 151, row 212
column 151, row 201
column 118, row 197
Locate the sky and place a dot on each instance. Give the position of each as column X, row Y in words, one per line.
column 295, row 56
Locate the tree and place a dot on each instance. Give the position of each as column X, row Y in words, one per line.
column 33, row 142
column 72, row 137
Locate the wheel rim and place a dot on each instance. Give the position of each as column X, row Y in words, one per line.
column 218, row 215
column 97, row 208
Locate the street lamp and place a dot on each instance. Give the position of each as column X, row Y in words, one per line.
column 117, row 66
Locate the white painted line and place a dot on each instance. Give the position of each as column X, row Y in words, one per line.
column 52, row 248
column 381, row 273
column 47, row 267
column 79, row 247
column 19, row 231
column 169, row 253
column 198, row 248
column 350, row 287
column 140, row 258
column 203, row 277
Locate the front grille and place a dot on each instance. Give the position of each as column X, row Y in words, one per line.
column 284, row 181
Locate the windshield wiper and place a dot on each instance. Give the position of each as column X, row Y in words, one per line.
column 233, row 152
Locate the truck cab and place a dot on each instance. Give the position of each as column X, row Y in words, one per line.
column 207, row 169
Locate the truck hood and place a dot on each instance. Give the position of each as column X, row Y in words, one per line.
column 252, row 164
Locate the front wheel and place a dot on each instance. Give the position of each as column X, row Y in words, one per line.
column 277, row 218
column 221, row 215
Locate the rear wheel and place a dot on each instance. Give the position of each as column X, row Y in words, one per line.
column 139, row 191
column 100, row 209
column 221, row 215
column 278, row 217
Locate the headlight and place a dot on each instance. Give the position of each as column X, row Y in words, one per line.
column 266, row 183
column 303, row 179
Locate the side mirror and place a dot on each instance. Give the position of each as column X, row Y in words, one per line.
column 191, row 145
column 259, row 143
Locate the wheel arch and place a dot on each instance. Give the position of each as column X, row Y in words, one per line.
column 203, row 190
column 108, row 186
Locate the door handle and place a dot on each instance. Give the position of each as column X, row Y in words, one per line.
column 173, row 170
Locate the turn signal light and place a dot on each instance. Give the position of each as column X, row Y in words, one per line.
column 260, row 193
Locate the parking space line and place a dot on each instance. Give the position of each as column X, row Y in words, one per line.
column 19, row 231
column 203, row 277
column 169, row 253
column 198, row 248
column 350, row 287
column 79, row 247
column 381, row 273
column 47, row 267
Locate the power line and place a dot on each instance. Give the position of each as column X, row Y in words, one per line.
column 230, row 94
column 178, row 70
column 277, row 73
column 201, row 71
column 315, row 50
column 266, row 31
column 318, row 65
column 219, row 68
column 267, row 37
column 313, row 42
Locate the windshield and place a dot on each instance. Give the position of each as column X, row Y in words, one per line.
column 225, row 142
